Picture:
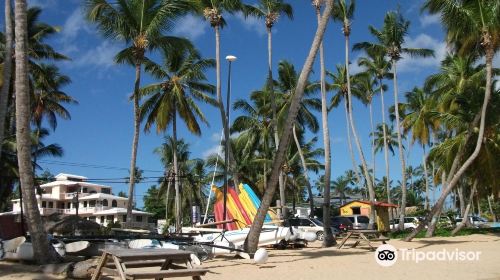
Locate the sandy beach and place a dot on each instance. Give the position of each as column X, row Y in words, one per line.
column 315, row 262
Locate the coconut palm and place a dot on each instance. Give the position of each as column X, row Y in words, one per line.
column 341, row 186
column 47, row 98
column 182, row 81
column 366, row 86
column 213, row 11
column 252, row 239
column 339, row 84
column 390, row 41
column 140, row 24
column 328, row 240
column 421, row 118
column 287, row 81
column 377, row 65
column 270, row 11
column 381, row 141
column 43, row 251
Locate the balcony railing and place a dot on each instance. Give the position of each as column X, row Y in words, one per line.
column 72, row 211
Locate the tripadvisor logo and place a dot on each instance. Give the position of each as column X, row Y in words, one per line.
column 387, row 255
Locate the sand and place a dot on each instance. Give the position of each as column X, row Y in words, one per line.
column 317, row 263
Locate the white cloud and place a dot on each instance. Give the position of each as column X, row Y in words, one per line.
column 252, row 23
column 74, row 24
column 423, row 41
column 427, row 20
column 191, row 27
column 354, row 68
column 100, row 56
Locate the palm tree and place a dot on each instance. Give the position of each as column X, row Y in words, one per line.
column 339, row 83
column 382, row 141
column 366, row 86
column 252, row 239
column 47, row 96
column 328, row 240
column 341, row 186
column 43, row 251
column 390, row 41
column 140, row 24
column 182, row 82
column 7, row 70
column 420, row 117
column 287, row 81
column 213, row 11
column 377, row 65
column 271, row 10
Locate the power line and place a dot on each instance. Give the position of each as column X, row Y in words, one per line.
column 88, row 165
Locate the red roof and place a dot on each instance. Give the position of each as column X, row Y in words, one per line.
column 376, row 203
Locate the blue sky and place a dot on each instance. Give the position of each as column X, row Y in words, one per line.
column 100, row 131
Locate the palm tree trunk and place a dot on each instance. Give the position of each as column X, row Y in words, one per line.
column 432, row 218
column 386, row 148
column 461, row 199
column 373, row 142
column 43, row 251
column 400, row 148
column 169, row 185
column 135, row 144
column 232, row 162
column 491, row 208
column 7, row 71
column 306, row 176
column 349, row 144
column 426, row 178
column 178, row 215
column 328, row 240
column 465, row 214
column 252, row 239
column 371, row 191
column 273, row 108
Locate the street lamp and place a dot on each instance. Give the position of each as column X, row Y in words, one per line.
column 229, row 58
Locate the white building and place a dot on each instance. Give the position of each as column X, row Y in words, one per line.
column 96, row 202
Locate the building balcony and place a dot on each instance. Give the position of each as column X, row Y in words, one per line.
column 73, row 194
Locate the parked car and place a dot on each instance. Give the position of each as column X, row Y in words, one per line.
column 309, row 225
column 409, row 223
column 342, row 223
column 359, row 221
column 475, row 221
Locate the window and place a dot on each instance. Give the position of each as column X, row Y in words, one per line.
column 68, row 205
column 124, row 218
column 84, row 190
column 351, row 219
column 363, row 220
column 85, row 204
column 138, row 218
column 294, row 222
column 102, row 219
column 356, row 210
column 105, row 202
column 44, row 204
column 106, row 190
column 51, row 204
column 92, row 203
column 109, row 218
column 113, row 203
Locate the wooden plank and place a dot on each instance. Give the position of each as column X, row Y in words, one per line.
column 102, row 262
column 133, row 264
column 119, row 268
column 148, row 254
column 167, row 273
column 348, row 235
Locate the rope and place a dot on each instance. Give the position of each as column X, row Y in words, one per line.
column 213, row 177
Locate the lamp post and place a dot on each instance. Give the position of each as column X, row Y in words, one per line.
column 229, row 58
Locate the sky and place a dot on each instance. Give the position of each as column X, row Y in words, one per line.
column 97, row 140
